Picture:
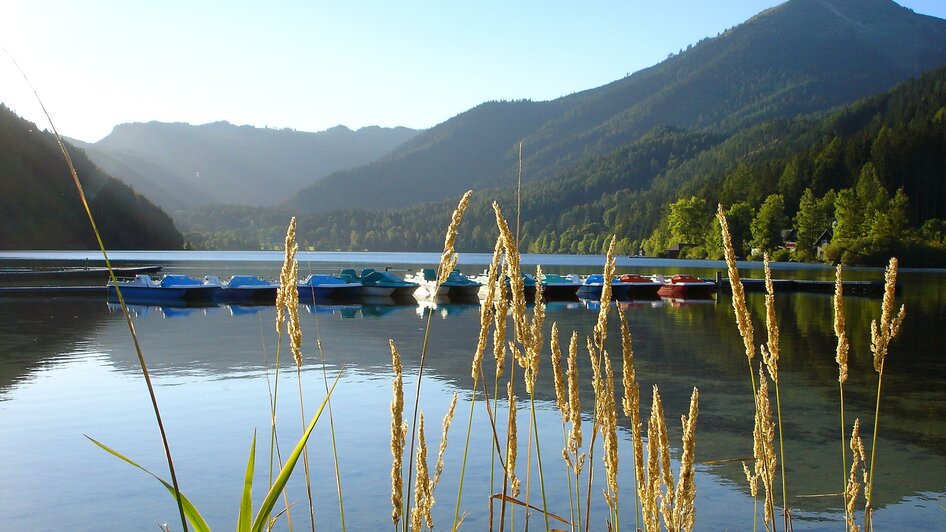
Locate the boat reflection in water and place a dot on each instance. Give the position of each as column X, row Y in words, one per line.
column 212, row 370
column 446, row 305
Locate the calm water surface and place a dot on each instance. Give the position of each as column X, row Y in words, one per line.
column 68, row 369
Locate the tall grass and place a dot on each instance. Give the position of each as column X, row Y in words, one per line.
column 764, row 454
column 661, row 501
column 142, row 364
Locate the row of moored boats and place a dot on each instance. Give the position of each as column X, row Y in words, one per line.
column 350, row 284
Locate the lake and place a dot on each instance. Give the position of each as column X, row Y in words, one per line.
column 68, row 369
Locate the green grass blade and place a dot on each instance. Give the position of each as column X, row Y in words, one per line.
column 259, row 524
column 190, row 511
column 245, row 521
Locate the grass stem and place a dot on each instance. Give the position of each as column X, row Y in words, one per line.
column 121, row 300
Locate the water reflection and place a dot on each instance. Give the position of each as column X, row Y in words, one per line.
column 678, row 344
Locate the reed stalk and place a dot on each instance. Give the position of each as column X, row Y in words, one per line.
column 852, row 487
column 631, row 407
column 744, row 325
column 743, row 318
column 880, row 337
column 509, row 471
column 331, row 426
column 561, row 402
column 770, row 354
column 840, row 357
column 527, row 334
column 610, row 445
column 764, row 438
column 595, row 426
column 572, row 452
column 486, row 317
column 597, row 353
column 499, row 355
column 448, row 261
column 422, row 496
column 294, row 330
column 331, row 422
column 142, row 364
column 398, row 433
column 287, row 302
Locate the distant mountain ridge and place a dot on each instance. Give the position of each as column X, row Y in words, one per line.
column 798, row 57
column 40, row 206
column 182, row 166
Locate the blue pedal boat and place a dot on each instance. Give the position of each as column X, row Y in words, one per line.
column 593, row 284
column 171, row 288
column 379, row 283
column 318, row 287
column 245, row 288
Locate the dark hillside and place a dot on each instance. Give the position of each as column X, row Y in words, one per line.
column 40, row 207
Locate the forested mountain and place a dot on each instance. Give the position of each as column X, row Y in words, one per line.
column 181, row 166
column 883, row 157
column 40, row 207
column 799, row 57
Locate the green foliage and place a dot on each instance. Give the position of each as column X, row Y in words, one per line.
column 814, row 216
column 768, row 223
column 687, row 220
column 246, row 522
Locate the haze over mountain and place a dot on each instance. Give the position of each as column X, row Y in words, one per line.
column 40, row 207
column 181, row 166
column 799, row 57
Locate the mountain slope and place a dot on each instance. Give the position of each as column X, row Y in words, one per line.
column 182, row 166
column 799, row 57
column 40, row 207
column 900, row 133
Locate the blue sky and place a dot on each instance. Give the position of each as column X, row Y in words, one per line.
column 312, row 65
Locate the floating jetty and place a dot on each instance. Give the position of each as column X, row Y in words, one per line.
column 862, row 288
column 53, row 291
column 78, row 273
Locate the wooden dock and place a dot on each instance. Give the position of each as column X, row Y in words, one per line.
column 72, row 274
column 52, row 291
column 861, row 288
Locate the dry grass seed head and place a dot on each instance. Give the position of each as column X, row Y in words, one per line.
column 684, row 511
column 513, row 274
column 398, row 433
column 771, row 354
column 449, row 258
column 486, row 311
column 561, row 400
column 766, row 467
column 666, row 474
column 609, row 433
column 601, row 328
column 853, row 487
column 287, row 282
column 880, row 336
column 499, row 329
column 422, row 496
column 631, row 402
column 843, row 347
column 650, row 487
column 445, row 426
column 743, row 318
column 512, row 442
column 536, row 339
column 574, row 401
